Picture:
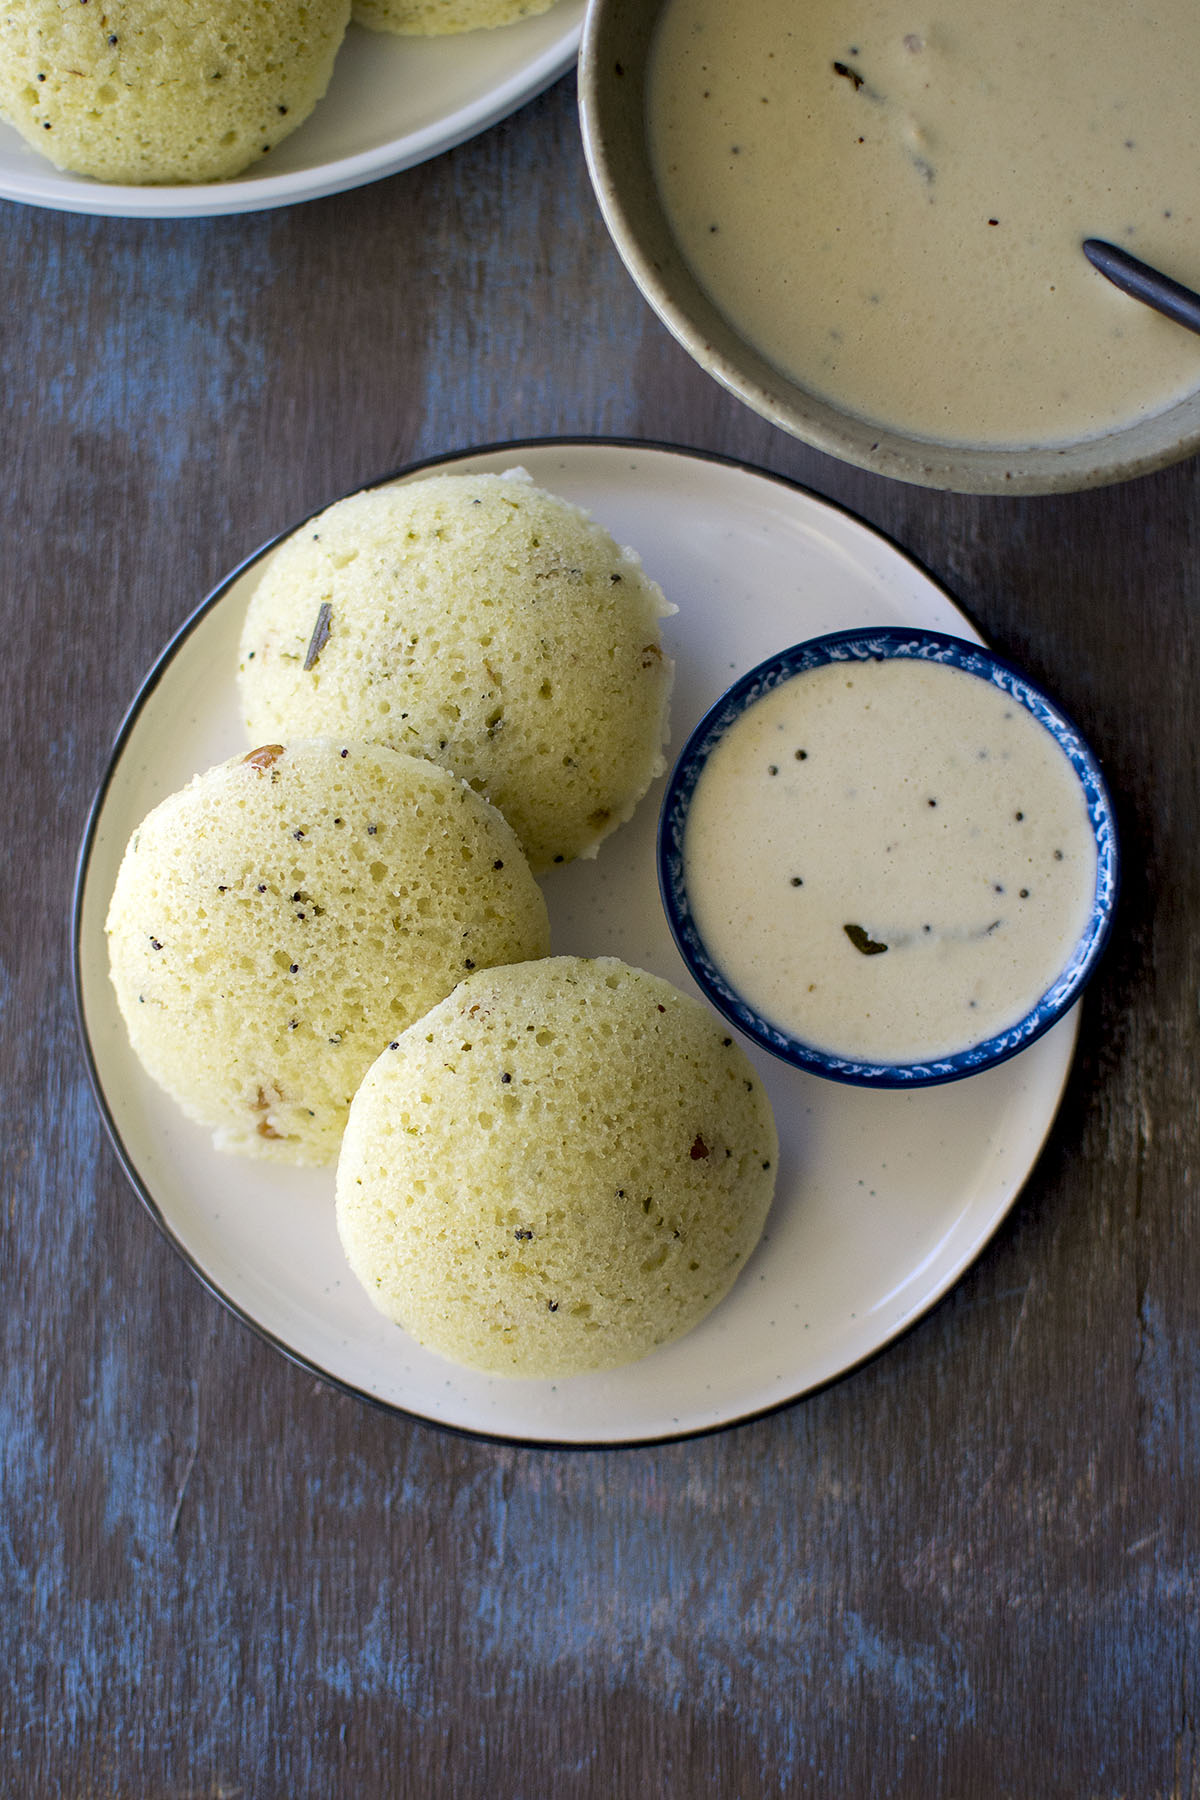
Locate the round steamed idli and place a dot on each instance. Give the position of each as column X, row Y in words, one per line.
column 483, row 623
column 281, row 919
column 561, row 1166
column 145, row 91
column 439, row 18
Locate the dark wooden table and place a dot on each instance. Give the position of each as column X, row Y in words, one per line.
column 971, row 1569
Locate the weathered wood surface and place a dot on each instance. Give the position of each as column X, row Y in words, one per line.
column 973, row 1569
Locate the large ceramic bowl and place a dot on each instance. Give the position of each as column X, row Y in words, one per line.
column 849, row 649
column 612, row 94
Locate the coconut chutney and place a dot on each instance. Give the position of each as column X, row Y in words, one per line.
column 887, row 198
column 890, row 860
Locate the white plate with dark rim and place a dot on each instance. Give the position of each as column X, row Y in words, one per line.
column 883, row 1199
column 393, row 102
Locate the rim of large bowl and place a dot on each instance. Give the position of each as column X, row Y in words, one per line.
column 660, row 272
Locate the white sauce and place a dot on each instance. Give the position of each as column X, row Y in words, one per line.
column 902, row 237
column 917, row 804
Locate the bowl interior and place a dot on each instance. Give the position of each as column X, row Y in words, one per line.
column 612, row 97
column 862, row 646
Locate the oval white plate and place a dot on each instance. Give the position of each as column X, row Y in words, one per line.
column 393, row 102
column 883, row 1198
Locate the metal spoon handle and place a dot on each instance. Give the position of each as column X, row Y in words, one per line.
column 1144, row 283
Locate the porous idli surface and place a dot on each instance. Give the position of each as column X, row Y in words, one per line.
column 287, row 914
column 563, row 1165
column 484, row 623
column 440, row 18
column 147, row 91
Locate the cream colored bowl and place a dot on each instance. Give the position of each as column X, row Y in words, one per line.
column 612, row 95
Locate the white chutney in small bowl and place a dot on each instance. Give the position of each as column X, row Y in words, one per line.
column 888, row 857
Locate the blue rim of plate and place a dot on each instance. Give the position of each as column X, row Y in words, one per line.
column 868, row 645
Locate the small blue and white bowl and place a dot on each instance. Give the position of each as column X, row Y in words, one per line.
column 867, row 645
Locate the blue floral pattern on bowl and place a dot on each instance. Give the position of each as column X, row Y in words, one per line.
column 867, row 646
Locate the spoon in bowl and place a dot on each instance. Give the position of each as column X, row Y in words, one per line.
column 1149, row 285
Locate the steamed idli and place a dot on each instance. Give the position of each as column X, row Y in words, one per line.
column 440, row 18
column 145, row 91
column 479, row 621
column 563, row 1165
column 289, row 913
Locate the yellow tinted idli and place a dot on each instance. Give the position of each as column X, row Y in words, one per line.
column 285, row 916
column 484, row 623
column 563, row 1165
column 440, row 18
column 145, row 91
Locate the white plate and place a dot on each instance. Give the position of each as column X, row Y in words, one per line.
column 392, row 102
column 883, row 1199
